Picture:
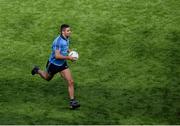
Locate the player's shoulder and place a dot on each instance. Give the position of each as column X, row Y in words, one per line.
column 57, row 40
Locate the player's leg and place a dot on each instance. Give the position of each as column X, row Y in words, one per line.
column 44, row 74
column 66, row 74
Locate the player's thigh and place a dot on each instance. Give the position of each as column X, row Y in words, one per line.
column 66, row 74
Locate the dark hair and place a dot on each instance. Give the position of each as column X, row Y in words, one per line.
column 64, row 26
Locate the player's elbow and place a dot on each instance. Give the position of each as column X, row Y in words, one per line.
column 57, row 56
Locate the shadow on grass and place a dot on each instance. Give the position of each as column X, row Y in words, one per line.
column 26, row 102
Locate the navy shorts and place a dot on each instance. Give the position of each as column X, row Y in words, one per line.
column 53, row 69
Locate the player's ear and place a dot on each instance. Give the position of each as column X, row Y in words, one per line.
column 63, row 31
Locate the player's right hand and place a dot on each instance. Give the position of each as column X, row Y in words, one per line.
column 71, row 58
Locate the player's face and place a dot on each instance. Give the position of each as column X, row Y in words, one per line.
column 67, row 32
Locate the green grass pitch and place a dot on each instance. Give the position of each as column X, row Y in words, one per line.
column 128, row 71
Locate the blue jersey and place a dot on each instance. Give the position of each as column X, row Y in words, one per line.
column 62, row 44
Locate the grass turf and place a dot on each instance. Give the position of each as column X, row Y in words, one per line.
column 128, row 71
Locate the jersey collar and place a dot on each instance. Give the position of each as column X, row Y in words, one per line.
column 63, row 37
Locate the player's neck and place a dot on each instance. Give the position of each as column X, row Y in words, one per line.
column 65, row 37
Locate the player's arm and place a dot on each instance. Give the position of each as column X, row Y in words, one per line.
column 61, row 57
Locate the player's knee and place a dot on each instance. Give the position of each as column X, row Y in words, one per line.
column 71, row 82
column 48, row 78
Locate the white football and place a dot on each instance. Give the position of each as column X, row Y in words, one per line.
column 74, row 54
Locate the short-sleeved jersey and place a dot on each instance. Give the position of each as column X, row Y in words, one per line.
column 62, row 44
